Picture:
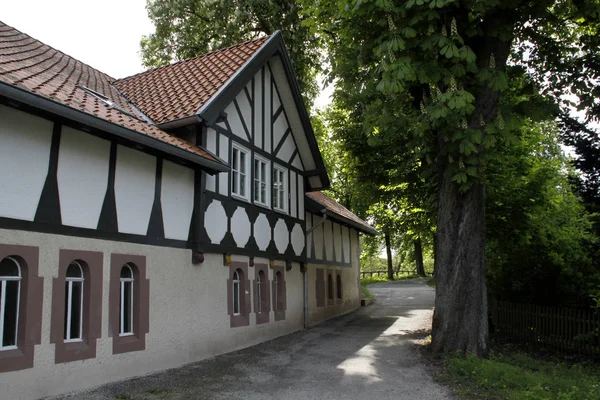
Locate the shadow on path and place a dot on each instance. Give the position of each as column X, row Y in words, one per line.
column 367, row 354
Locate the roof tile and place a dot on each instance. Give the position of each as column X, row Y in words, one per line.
column 40, row 69
column 340, row 210
column 179, row 90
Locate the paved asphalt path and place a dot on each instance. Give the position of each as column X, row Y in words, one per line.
column 368, row 354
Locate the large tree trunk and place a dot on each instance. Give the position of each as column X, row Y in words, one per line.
column 388, row 250
column 419, row 256
column 460, row 320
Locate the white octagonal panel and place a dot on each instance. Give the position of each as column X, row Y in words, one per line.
column 240, row 227
column 282, row 236
column 297, row 239
column 262, row 232
column 215, row 222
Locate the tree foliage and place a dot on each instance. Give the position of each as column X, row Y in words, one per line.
column 188, row 28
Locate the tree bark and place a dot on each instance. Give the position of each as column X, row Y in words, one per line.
column 388, row 250
column 460, row 318
column 419, row 256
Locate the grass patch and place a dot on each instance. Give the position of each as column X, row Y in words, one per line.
column 367, row 281
column 516, row 375
column 157, row 391
column 122, row 397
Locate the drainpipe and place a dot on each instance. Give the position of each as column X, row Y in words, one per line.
column 304, row 276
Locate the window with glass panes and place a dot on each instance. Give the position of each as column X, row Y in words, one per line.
column 239, row 172
column 261, row 181
column 279, row 188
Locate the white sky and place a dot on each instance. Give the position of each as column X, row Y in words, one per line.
column 104, row 34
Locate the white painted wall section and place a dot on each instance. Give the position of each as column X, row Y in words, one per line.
column 83, row 164
column 328, row 233
column 318, row 239
column 279, row 127
column 258, row 110
column 300, row 196
column 235, row 122
column 240, row 227
column 262, row 232
column 224, row 154
column 215, row 222
column 282, row 236
column 297, row 163
column 246, row 109
column 135, row 177
column 267, row 110
column 287, row 149
column 177, row 200
column 337, row 241
column 309, row 237
column 346, row 241
column 25, row 142
column 293, row 195
column 297, row 239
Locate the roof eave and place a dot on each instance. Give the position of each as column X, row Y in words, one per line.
column 211, row 109
column 360, row 227
column 51, row 106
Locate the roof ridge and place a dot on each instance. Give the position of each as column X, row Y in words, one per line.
column 193, row 58
column 2, row 23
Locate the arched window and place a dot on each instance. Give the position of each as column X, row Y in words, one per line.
column 329, row 287
column 236, row 292
column 276, row 290
column 338, row 286
column 10, row 292
column 126, row 303
column 73, row 331
column 260, row 288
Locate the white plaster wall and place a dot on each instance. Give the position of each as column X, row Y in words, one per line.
column 83, row 163
column 297, row 163
column 262, row 232
column 25, row 142
column 346, row 240
column 257, row 96
column 240, row 227
column 135, row 177
column 318, row 238
column 235, row 122
column 245, row 108
column 300, row 197
column 337, row 241
column 287, row 149
column 293, row 194
column 328, row 233
column 177, row 200
column 279, row 127
column 215, row 221
column 188, row 317
column 267, row 110
column 309, row 237
column 211, row 145
column 224, row 154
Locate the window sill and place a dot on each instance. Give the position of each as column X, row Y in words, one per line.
column 240, row 198
column 279, row 210
column 265, row 206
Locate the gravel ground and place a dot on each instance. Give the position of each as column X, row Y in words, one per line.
column 368, row 354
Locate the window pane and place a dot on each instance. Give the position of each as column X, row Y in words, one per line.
column 126, row 272
column 74, row 270
column 8, row 267
column 235, row 159
column 257, row 190
column 242, row 162
column 242, row 185
column 76, row 297
column 11, row 310
column 263, row 192
column 127, row 305
column 234, row 182
column 236, row 297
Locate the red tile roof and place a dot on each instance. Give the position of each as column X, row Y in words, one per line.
column 40, row 69
column 181, row 89
column 341, row 211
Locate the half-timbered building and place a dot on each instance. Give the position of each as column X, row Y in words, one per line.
column 159, row 219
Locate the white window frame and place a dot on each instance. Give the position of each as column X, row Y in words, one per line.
column 237, row 175
column 68, row 315
column 265, row 180
column 277, row 191
column 3, row 282
column 122, row 302
column 236, row 283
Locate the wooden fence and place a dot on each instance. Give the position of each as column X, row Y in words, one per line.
column 561, row 328
column 383, row 272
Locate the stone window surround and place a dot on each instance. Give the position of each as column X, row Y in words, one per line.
column 330, row 289
column 92, row 263
column 243, row 318
column 30, row 308
column 282, row 293
column 263, row 317
column 320, row 287
column 141, row 301
column 339, row 287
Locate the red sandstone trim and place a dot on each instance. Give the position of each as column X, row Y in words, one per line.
column 30, row 308
column 92, row 264
column 141, row 298
column 243, row 319
column 339, row 287
column 263, row 316
column 281, row 301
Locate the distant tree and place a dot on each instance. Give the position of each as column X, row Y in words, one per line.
column 188, row 28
